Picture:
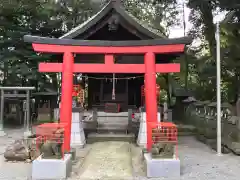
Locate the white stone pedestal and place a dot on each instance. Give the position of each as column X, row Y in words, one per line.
column 77, row 133
column 142, row 133
column 162, row 168
column 50, row 169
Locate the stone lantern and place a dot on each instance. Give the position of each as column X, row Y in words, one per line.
column 211, row 121
column 200, row 119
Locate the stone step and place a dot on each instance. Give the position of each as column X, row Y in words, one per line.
column 113, row 117
column 95, row 137
column 112, row 125
column 112, row 120
column 108, row 114
column 115, row 130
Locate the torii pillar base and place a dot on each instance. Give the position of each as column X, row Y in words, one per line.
column 142, row 133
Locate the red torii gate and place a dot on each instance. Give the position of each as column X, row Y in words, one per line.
column 69, row 47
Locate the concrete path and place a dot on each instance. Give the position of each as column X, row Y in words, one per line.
column 107, row 160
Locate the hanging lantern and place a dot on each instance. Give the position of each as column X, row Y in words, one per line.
column 81, row 96
column 76, row 90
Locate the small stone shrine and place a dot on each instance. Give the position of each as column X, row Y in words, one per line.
column 44, row 111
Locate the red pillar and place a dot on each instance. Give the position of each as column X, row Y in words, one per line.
column 150, row 93
column 66, row 98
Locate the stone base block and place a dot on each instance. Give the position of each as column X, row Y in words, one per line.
column 27, row 133
column 52, row 169
column 159, row 168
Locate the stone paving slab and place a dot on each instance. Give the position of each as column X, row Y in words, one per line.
column 107, row 160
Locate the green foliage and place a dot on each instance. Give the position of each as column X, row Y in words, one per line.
column 161, row 14
column 202, row 14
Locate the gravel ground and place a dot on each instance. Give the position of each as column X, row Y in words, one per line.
column 198, row 162
column 107, row 160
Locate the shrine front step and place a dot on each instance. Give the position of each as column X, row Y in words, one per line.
column 112, row 119
column 104, row 137
column 112, row 130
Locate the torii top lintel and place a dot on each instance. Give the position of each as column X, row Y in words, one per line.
column 42, row 44
column 157, row 46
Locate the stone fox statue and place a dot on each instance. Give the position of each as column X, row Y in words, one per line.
column 162, row 144
column 52, row 148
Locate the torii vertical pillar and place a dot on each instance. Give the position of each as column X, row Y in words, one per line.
column 150, row 93
column 66, row 98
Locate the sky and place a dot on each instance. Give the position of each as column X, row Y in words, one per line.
column 178, row 31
